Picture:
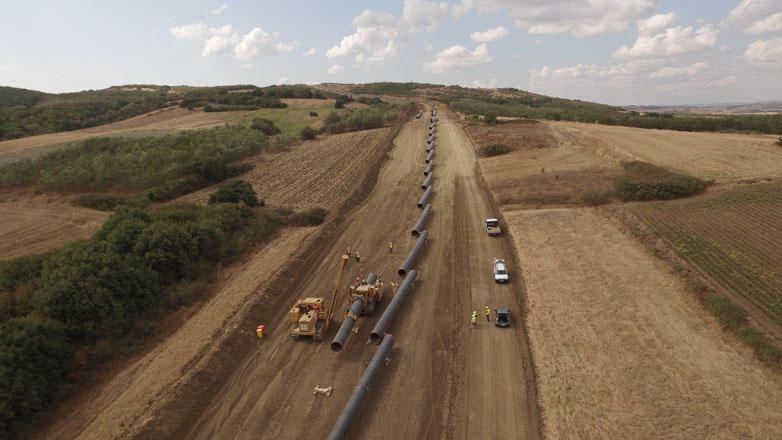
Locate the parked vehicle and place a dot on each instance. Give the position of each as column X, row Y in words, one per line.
column 493, row 226
column 500, row 271
column 501, row 317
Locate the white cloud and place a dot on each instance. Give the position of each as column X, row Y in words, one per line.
column 374, row 39
column 655, row 23
column 489, row 35
column 193, row 31
column 247, row 66
column 673, row 72
column 772, row 23
column 581, row 18
column 456, row 57
column 429, row 47
column 220, row 9
column 221, row 40
column 458, row 10
column 424, row 16
column 673, row 41
column 751, row 10
column 485, row 84
column 258, row 42
column 334, row 69
column 283, row 80
column 765, row 51
column 309, row 52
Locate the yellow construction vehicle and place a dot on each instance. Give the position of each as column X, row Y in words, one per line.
column 309, row 317
column 370, row 291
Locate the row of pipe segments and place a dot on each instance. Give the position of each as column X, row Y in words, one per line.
column 378, row 333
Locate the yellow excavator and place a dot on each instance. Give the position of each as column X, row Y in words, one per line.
column 309, row 317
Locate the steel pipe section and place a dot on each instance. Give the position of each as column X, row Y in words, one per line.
column 429, row 147
column 427, row 181
column 371, row 278
column 393, row 307
column 408, row 264
column 347, row 324
column 429, row 168
column 430, row 156
column 361, row 390
column 421, row 220
column 431, row 139
column 425, row 197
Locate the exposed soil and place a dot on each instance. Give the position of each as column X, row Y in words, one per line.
column 39, row 224
column 724, row 157
column 444, row 380
column 621, row 350
column 320, row 173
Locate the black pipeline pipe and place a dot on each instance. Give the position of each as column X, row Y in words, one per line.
column 427, row 181
column 347, row 324
column 420, row 223
column 361, row 390
column 408, row 264
column 393, row 307
column 429, row 168
column 425, row 197
column 430, row 156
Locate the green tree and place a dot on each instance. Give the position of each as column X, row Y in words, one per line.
column 34, row 359
column 94, row 291
column 234, row 191
column 167, row 249
column 267, row 126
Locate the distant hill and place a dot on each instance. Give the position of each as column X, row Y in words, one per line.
column 730, row 108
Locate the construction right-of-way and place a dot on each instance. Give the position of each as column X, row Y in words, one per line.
column 444, row 380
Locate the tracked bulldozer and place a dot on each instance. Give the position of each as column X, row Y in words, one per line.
column 309, row 316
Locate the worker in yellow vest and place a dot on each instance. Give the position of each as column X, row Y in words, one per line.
column 474, row 319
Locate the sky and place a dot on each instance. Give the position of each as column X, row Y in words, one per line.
column 621, row 52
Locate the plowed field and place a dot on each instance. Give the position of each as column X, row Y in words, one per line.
column 319, row 173
column 621, row 349
column 736, row 237
column 721, row 156
column 37, row 226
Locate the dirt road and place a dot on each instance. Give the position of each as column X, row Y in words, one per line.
column 444, row 381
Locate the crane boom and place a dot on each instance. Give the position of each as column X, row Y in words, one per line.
column 337, row 286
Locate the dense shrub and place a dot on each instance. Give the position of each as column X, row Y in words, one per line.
column 374, row 116
column 331, row 119
column 234, row 191
column 593, row 197
column 267, row 126
column 310, row 217
column 644, row 181
column 106, row 202
column 342, row 100
column 308, row 133
column 490, row 118
column 495, row 150
column 313, row 114
column 34, row 360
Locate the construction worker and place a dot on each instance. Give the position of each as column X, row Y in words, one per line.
column 358, row 257
column 474, row 319
column 488, row 314
column 390, row 247
column 348, row 251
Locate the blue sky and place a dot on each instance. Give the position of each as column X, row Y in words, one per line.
column 612, row 51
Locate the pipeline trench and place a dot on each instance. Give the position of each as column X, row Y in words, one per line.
column 444, row 379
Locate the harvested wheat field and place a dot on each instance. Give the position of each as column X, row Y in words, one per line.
column 36, row 226
column 319, row 173
column 167, row 119
column 621, row 350
column 723, row 157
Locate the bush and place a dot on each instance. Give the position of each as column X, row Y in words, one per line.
column 34, row 360
column 779, row 142
column 268, row 127
column 234, row 191
column 490, row 118
column 644, row 181
column 313, row 114
column 310, row 217
column 593, row 197
column 495, row 150
column 331, row 119
column 106, row 202
column 308, row 133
